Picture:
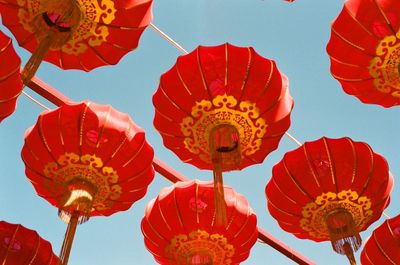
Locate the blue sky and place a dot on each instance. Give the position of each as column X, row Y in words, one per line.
column 294, row 35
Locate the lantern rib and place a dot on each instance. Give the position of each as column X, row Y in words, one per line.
column 202, row 74
column 331, row 165
column 350, row 43
column 231, row 218
column 310, row 166
column 61, row 59
column 8, row 75
column 10, row 244
column 346, row 64
column 135, row 176
column 5, row 47
column 281, row 210
column 269, row 79
column 351, row 79
column 226, row 65
column 246, row 76
column 241, row 228
column 102, row 127
column 247, row 241
column 155, row 231
column 136, row 153
column 98, row 55
column 162, row 216
column 81, row 123
column 178, row 212
column 36, row 250
column 385, row 17
column 59, row 129
column 281, row 191
column 127, row 132
column 181, row 78
column 358, row 22
column 291, row 176
column 370, row 171
column 44, row 141
column 382, row 250
column 355, row 160
column 172, row 101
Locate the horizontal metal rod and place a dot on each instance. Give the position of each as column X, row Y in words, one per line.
column 59, row 99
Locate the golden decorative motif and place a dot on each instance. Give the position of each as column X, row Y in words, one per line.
column 384, row 68
column 89, row 31
column 183, row 247
column 314, row 213
column 223, row 109
column 89, row 168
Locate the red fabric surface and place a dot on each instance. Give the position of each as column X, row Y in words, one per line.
column 21, row 246
column 383, row 246
column 175, row 210
column 87, row 128
column 10, row 82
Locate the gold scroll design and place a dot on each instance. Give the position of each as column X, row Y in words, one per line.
column 223, row 109
column 87, row 168
column 314, row 213
column 87, row 33
column 184, row 246
column 384, row 68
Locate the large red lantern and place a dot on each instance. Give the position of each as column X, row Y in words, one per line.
column 179, row 226
column 10, row 82
column 87, row 160
column 330, row 189
column 222, row 108
column 75, row 34
column 21, row 246
column 383, row 246
column 365, row 49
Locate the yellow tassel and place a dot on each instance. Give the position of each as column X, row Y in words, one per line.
column 68, row 239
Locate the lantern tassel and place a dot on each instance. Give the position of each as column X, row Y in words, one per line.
column 349, row 253
column 219, row 197
column 68, row 239
column 36, row 59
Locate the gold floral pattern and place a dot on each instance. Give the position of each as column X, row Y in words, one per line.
column 384, row 68
column 90, row 31
column 314, row 213
column 88, row 168
column 184, row 246
column 223, row 109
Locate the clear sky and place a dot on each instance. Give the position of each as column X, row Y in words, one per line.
column 293, row 34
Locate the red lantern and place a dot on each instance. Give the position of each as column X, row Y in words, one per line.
column 21, row 246
column 10, row 82
column 383, row 247
column 364, row 50
column 87, row 160
column 179, row 226
column 330, row 189
column 222, row 108
column 76, row 34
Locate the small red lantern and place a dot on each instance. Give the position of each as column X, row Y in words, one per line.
column 383, row 247
column 179, row 226
column 222, row 108
column 21, row 246
column 87, row 160
column 73, row 34
column 365, row 49
column 10, row 82
column 330, row 189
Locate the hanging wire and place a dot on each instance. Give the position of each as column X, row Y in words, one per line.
column 34, row 100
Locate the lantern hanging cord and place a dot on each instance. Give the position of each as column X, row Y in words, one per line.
column 168, row 38
column 34, row 100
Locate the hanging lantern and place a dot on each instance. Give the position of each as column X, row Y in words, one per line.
column 87, row 160
column 21, row 246
column 330, row 189
column 179, row 226
column 365, row 49
column 222, row 108
column 383, row 247
column 75, row 34
column 10, row 82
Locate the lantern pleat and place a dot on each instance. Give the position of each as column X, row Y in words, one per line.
column 186, row 209
column 328, row 179
column 10, row 82
column 362, row 46
column 21, row 246
column 383, row 246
